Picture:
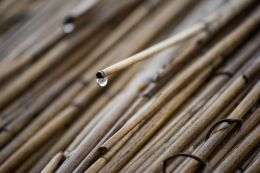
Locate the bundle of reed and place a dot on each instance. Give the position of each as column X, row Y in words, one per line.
column 177, row 86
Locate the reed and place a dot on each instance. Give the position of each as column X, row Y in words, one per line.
column 253, row 167
column 216, row 17
column 53, row 164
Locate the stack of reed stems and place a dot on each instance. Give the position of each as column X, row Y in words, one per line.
column 178, row 86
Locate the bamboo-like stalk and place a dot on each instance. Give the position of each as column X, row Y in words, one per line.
column 254, row 167
column 58, row 122
column 112, row 37
column 104, row 159
column 184, row 35
column 129, row 149
column 28, row 163
column 28, row 147
column 79, row 138
column 238, row 154
column 53, row 164
column 249, row 159
column 216, row 17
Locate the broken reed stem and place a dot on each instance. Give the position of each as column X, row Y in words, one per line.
column 205, row 25
column 184, row 35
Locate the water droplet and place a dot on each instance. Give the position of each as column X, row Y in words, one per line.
column 102, row 81
column 68, row 27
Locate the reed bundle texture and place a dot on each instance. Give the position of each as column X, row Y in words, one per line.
column 136, row 86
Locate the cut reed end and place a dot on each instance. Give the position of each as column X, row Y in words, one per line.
column 100, row 74
column 68, row 24
column 102, row 150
